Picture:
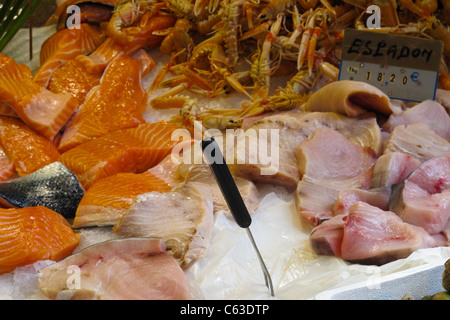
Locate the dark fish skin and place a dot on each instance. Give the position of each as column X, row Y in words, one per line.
column 53, row 186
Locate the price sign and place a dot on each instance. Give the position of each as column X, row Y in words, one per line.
column 403, row 67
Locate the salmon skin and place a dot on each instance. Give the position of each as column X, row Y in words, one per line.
column 32, row 234
column 52, row 186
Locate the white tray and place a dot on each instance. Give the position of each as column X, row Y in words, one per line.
column 415, row 283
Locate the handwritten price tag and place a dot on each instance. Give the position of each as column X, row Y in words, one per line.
column 403, row 67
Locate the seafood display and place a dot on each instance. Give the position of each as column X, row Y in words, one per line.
column 368, row 176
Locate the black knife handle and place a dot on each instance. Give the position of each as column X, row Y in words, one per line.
column 226, row 182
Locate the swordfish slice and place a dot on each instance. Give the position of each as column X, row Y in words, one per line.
column 293, row 128
column 392, row 168
column 183, row 218
column 423, row 199
column 122, row 269
column 417, row 140
column 117, row 103
column 429, row 112
column 132, row 150
column 378, row 197
column 368, row 235
column 66, row 45
column 329, row 163
column 374, row 236
column 329, row 155
column 41, row 109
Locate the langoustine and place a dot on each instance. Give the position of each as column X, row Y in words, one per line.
column 144, row 36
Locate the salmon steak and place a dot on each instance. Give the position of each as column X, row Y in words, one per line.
column 108, row 199
column 117, row 103
column 65, row 45
column 31, row 234
column 41, row 109
column 129, row 150
column 27, row 149
column 71, row 78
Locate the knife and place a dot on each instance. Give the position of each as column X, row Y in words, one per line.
column 232, row 196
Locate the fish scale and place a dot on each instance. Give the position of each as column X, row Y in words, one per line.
column 53, row 186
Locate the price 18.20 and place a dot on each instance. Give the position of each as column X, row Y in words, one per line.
column 381, row 77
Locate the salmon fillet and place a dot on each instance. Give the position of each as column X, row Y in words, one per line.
column 43, row 110
column 71, row 78
column 117, row 103
column 7, row 110
column 27, row 149
column 108, row 199
column 130, row 150
column 7, row 170
column 31, row 234
column 66, row 45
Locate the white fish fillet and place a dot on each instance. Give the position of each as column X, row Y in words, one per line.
column 417, row 140
column 183, row 218
column 429, row 112
column 133, row 268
